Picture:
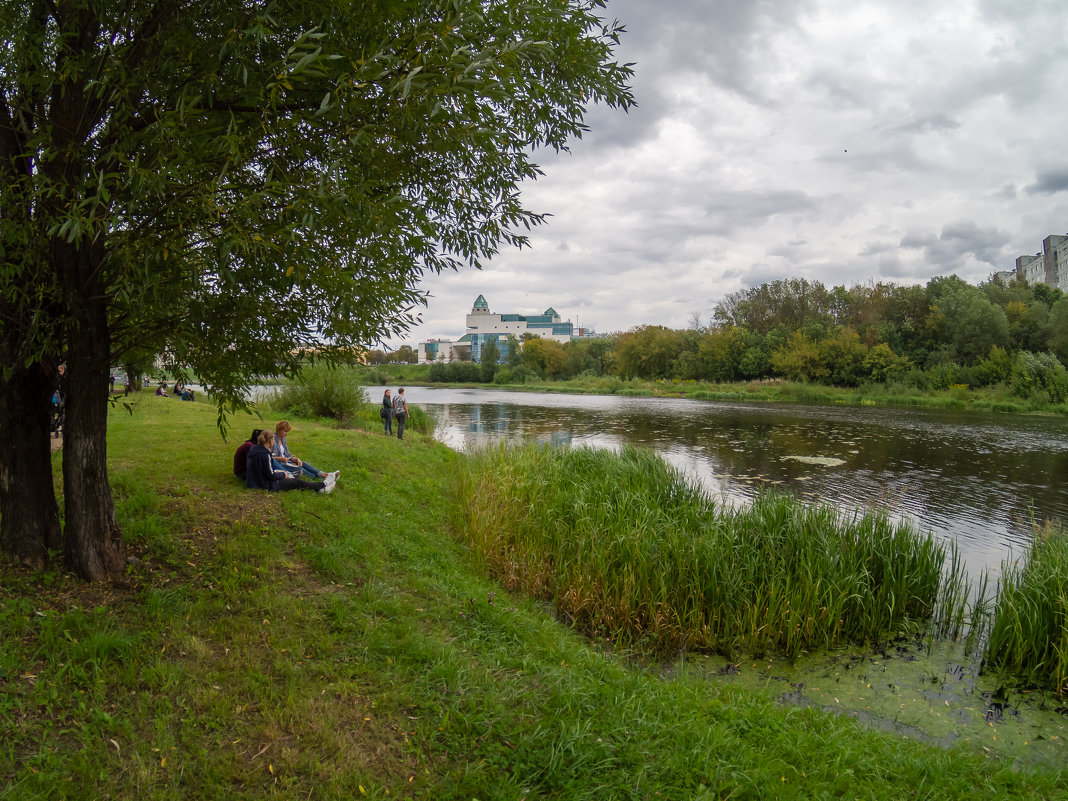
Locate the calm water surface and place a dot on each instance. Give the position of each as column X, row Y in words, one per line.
column 975, row 478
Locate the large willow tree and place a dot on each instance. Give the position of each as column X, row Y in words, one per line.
column 235, row 182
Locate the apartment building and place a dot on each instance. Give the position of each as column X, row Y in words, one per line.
column 1049, row 266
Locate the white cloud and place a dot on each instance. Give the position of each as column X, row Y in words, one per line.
column 836, row 140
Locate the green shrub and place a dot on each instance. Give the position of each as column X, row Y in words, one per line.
column 455, row 373
column 376, row 376
column 321, row 391
column 945, row 375
column 1039, row 377
column 994, row 369
column 519, row 374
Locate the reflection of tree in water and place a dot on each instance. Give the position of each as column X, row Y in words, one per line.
column 974, row 479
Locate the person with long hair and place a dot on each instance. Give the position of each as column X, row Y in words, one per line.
column 261, row 474
column 290, row 463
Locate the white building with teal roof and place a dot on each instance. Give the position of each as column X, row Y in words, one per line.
column 484, row 325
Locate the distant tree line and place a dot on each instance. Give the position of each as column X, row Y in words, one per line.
column 947, row 333
column 405, row 354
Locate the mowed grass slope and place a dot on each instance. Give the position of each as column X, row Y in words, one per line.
column 343, row 646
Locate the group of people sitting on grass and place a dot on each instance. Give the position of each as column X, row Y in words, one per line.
column 264, row 461
column 185, row 393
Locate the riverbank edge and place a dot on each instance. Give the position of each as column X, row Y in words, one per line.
column 772, row 391
column 327, row 646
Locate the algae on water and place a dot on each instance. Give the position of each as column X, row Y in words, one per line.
column 825, row 461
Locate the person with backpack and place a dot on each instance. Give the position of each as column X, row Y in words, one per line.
column 400, row 411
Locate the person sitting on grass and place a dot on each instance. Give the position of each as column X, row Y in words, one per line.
column 241, row 455
column 261, row 475
column 288, row 461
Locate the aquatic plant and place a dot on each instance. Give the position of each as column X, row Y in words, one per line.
column 628, row 548
column 1029, row 635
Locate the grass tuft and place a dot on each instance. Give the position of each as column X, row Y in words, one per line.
column 1029, row 634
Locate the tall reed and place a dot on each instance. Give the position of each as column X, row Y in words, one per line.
column 1029, row 635
column 627, row 548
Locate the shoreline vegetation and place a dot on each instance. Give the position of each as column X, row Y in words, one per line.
column 379, row 642
column 625, row 548
column 763, row 391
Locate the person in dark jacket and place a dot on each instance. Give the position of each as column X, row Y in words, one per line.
column 261, row 475
column 387, row 412
column 241, row 455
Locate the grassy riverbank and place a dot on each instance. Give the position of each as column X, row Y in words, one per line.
column 347, row 645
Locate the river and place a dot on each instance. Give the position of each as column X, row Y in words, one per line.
column 975, row 478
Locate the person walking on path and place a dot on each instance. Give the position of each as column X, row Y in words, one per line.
column 387, row 412
column 400, row 411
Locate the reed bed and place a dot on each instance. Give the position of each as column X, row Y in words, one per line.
column 1029, row 635
column 627, row 548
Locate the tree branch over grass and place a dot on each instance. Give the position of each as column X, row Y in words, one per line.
column 241, row 186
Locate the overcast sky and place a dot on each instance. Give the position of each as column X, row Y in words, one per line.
column 842, row 141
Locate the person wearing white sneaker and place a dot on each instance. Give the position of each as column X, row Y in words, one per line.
column 260, row 473
column 280, row 452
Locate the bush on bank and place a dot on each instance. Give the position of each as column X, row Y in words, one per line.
column 320, row 391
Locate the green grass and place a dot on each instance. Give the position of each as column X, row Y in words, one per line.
column 1029, row 635
column 306, row 646
column 625, row 547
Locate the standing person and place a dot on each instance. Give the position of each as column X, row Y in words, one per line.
column 400, row 411
column 289, row 462
column 387, row 412
column 261, row 475
column 59, row 401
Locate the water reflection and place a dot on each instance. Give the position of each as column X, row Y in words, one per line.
column 978, row 479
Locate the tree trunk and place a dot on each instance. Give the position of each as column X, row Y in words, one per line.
column 92, row 538
column 29, row 516
column 133, row 379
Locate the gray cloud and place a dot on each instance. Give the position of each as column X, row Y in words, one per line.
column 958, row 240
column 931, row 123
column 1049, row 181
